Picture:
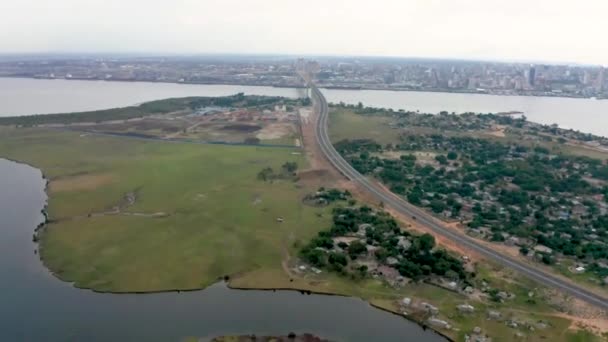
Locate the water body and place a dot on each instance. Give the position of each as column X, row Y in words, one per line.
column 22, row 96
column 585, row 115
column 35, row 306
column 29, row 96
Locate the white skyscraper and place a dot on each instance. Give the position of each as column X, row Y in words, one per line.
column 599, row 82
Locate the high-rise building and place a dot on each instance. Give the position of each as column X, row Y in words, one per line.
column 587, row 78
column 532, row 76
column 599, row 82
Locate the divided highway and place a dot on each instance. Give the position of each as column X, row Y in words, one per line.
column 403, row 207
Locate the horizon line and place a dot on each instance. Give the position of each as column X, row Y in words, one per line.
column 157, row 54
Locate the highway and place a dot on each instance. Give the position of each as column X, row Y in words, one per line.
column 403, row 207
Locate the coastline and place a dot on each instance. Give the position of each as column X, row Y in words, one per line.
column 348, row 88
column 41, row 227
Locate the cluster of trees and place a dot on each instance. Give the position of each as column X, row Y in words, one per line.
column 569, row 133
column 329, row 195
column 525, row 192
column 444, row 120
column 359, row 108
column 418, row 258
column 287, row 171
column 242, row 100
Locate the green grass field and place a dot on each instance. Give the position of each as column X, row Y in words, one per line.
column 344, row 124
column 222, row 220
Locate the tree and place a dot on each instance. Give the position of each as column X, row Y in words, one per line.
column 547, row 259
column 323, row 242
column 437, row 206
column 290, row 167
column 415, row 196
column 494, row 295
column 356, row 248
column 314, row 256
column 337, row 259
column 425, row 242
column 409, row 269
column 265, row 174
column 441, row 159
column 452, row 155
column 496, row 236
column 251, row 140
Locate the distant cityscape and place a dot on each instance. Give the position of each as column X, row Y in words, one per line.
column 331, row 72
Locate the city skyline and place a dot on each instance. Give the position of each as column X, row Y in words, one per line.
column 517, row 31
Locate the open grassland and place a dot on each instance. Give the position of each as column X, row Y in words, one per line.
column 344, row 124
column 214, row 217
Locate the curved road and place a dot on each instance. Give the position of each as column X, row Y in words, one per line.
column 403, row 207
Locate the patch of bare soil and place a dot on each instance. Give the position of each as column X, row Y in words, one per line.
column 317, row 160
column 80, row 182
column 242, row 128
column 120, row 208
column 393, row 154
column 582, row 315
column 315, row 177
column 497, row 131
column 275, row 131
column 146, row 124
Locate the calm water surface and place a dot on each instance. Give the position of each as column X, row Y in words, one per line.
column 585, row 115
column 29, row 96
column 35, row 306
column 22, row 96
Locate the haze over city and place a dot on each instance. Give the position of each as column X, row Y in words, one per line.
column 529, row 31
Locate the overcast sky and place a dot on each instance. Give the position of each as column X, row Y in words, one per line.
column 527, row 30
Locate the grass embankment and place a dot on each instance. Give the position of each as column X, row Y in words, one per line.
column 221, row 219
column 125, row 113
column 145, row 109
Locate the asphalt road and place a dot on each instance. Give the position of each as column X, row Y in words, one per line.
column 407, row 209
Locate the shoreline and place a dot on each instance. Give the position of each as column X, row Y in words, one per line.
column 295, row 87
column 40, row 229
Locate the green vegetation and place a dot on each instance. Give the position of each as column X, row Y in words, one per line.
column 582, row 336
column 549, row 204
column 515, row 192
column 328, row 196
column 218, row 218
column 150, row 108
column 288, row 171
column 354, row 126
column 377, row 246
